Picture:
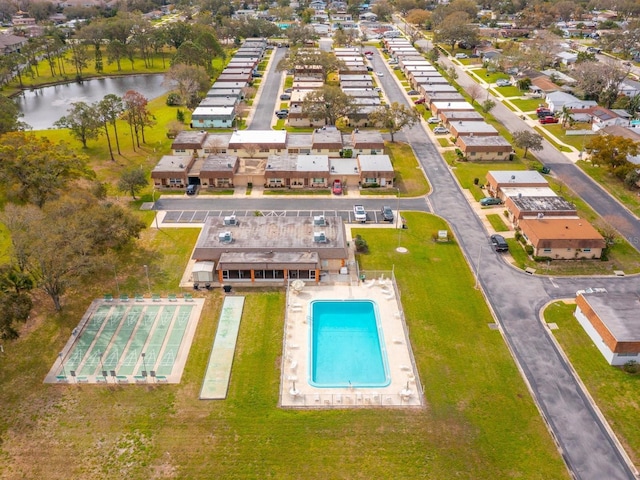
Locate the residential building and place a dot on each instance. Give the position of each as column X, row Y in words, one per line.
column 497, row 179
column 484, row 148
column 562, row 238
column 213, row 117
column 376, row 170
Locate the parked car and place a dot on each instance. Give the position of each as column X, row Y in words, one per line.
column 503, row 83
column 288, row 90
column 368, row 52
column 380, row 74
column 359, row 213
column 337, row 187
column 486, row 201
column 420, row 101
column 433, row 120
column 545, row 120
column 499, row 243
column 285, row 96
column 386, row 213
column 440, row 131
column 461, row 55
column 542, row 108
column 192, row 189
column 369, row 68
column 544, row 113
column 413, row 92
column 282, row 111
column 393, row 62
column 256, row 74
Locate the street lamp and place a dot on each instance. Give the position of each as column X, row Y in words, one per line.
column 398, row 226
column 62, row 364
column 144, row 365
column 146, row 272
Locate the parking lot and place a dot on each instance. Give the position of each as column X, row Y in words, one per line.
column 199, row 216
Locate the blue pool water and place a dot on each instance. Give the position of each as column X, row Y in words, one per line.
column 346, row 345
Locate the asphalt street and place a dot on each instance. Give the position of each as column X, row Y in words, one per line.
column 265, row 105
column 516, row 298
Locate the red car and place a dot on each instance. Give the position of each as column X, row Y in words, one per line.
column 548, row 120
column 541, row 108
column 420, row 101
column 368, row 52
column 337, row 187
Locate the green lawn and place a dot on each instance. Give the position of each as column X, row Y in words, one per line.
column 577, row 141
column 613, row 185
column 444, row 142
column 508, row 91
column 480, row 421
column 409, row 176
column 544, row 132
column 490, row 77
column 497, row 222
column 527, row 105
column 614, row 391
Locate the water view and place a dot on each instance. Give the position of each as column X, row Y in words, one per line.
column 42, row 107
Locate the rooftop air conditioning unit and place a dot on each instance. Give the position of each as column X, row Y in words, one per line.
column 319, row 220
column 230, row 220
column 225, row 237
column 319, row 237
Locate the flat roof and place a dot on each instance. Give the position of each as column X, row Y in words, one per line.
column 189, row 139
column 299, row 140
column 264, row 233
column 543, row 204
column 218, row 111
column 464, row 115
column 518, row 176
column 219, row 162
column 258, row 136
column 377, row 163
column 344, row 166
column 485, row 141
column 312, row 163
column 172, row 163
column 618, row 312
column 529, row 192
column 326, row 136
column 462, row 126
column 453, row 105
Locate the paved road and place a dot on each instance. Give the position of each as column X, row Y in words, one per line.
column 516, row 298
column 270, row 94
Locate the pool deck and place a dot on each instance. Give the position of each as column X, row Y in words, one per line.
column 404, row 390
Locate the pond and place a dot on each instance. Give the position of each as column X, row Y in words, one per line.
column 42, row 107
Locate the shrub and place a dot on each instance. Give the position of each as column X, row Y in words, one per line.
column 361, row 244
column 542, row 259
column 518, row 236
column 180, row 116
column 476, row 181
column 506, row 215
column 631, row 367
column 173, row 100
column 528, row 249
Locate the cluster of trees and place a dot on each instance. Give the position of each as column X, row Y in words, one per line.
column 452, row 23
column 61, row 226
column 88, row 121
column 612, row 152
column 600, row 80
column 297, row 58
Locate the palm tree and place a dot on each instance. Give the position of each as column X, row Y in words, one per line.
column 565, row 115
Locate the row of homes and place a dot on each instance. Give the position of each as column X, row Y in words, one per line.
column 547, row 221
column 219, row 108
column 476, row 139
column 275, row 159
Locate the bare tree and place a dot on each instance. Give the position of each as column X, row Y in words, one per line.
column 475, row 92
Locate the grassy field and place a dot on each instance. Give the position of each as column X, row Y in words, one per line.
column 577, row 141
column 480, row 421
column 542, row 130
column 614, row 391
column 508, row 91
column 409, row 176
column 490, row 77
column 527, row 105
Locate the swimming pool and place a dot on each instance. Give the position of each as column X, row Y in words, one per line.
column 346, row 345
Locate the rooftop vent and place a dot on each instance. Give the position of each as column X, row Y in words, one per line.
column 319, row 220
column 225, row 237
column 230, row 220
column 319, row 237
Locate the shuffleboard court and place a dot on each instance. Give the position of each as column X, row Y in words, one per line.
column 122, row 342
column 216, row 378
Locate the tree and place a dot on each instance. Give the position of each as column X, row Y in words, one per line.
column 132, row 181
column 83, row 122
column 455, row 28
column 15, row 303
column 475, row 92
column 176, row 33
column 524, row 84
column 600, row 80
column 110, row 108
column 527, row 140
column 382, row 9
column 329, row 103
column 433, row 55
column 79, row 57
column 190, row 81
column 9, row 116
column 394, row 117
column 487, row 105
column 565, row 115
column 137, row 115
column 33, row 169
column 612, row 152
column 298, row 58
column 298, row 34
column 191, row 54
column 418, row 17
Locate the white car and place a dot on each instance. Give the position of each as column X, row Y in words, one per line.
column 380, row 74
column 433, row 120
column 503, row 83
column 440, row 131
column 461, row 55
column 359, row 213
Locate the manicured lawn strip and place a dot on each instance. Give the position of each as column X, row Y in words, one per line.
column 288, row 81
column 409, row 176
column 510, row 91
column 466, row 172
column 577, row 141
column 497, row 223
column 612, row 185
column 467, row 402
column 444, row 142
column 614, row 391
column 296, row 191
column 527, row 105
column 490, row 77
